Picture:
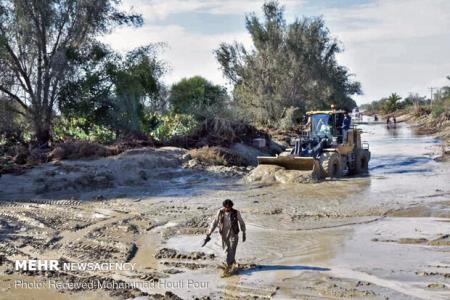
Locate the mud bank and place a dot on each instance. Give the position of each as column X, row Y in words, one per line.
column 375, row 237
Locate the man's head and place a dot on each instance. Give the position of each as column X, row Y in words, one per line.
column 228, row 204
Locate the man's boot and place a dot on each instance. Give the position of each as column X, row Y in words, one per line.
column 226, row 271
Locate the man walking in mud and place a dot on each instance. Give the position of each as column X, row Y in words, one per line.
column 228, row 220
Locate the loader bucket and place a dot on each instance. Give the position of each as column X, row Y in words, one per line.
column 288, row 162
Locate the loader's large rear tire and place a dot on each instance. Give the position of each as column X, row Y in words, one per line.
column 331, row 164
column 362, row 162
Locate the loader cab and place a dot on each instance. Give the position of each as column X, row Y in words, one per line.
column 326, row 124
column 320, row 126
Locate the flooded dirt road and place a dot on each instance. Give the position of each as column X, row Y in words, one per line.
column 380, row 236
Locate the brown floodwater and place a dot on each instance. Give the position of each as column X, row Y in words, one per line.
column 375, row 236
column 375, row 229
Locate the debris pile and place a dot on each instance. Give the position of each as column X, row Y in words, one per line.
column 220, row 132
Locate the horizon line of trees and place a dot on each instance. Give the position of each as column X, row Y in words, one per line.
column 438, row 103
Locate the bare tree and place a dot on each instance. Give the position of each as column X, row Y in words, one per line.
column 38, row 40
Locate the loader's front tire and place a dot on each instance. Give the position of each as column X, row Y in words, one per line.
column 362, row 162
column 317, row 172
column 331, row 164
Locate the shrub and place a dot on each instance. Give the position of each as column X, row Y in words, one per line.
column 81, row 129
column 421, row 110
column 173, row 125
column 437, row 110
column 220, row 132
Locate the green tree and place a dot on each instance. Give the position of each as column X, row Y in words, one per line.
column 199, row 97
column 38, row 40
column 115, row 91
column 413, row 99
column 289, row 65
column 391, row 103
column 88, row 94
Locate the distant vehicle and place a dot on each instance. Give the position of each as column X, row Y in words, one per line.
column 322, row 150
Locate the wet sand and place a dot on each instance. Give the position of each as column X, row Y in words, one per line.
column 374, row 237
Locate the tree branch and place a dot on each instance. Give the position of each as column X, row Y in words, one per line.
column 18, row 64
column 13, row 96
column 16, row 111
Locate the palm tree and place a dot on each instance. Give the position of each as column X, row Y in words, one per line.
column 391, row 103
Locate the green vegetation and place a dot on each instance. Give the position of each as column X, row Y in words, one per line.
column 81, row 129
column 173, row 125
column 438, row 109
column 39, row 44
column 61, row 88
column 198, row 97
column 115, row 91
column 386, row 105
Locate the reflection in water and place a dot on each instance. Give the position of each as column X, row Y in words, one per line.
column 392, row 130
column 392, row 164
column 396, row 149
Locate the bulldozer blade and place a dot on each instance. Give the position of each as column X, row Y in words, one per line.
column 288, row 162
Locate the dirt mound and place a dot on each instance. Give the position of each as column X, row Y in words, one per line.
column 275, row 174
column 80, row 149
column 134, row 167
column 285, row 137
column 249, row 153
column 218, row 156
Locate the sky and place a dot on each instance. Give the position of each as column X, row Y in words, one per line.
column 389, row 46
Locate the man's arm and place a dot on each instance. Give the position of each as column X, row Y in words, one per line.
column 214, row 223
column 241, row 221
column 242, row 225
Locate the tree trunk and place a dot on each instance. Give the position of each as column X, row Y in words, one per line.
column 42, row 133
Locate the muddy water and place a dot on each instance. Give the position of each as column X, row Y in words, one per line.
column 370, row 237
column 367, row 237
column 393, row 251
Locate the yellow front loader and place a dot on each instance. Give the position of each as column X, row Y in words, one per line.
column 324, row 148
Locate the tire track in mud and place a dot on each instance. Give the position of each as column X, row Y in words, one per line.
column 27, row 215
